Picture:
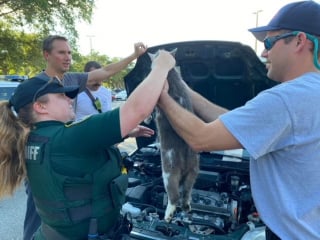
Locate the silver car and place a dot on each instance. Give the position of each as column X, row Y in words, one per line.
column 7, row 89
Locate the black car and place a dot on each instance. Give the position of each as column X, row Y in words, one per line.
column 228, row 74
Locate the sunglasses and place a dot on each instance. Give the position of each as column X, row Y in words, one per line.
column 270, row 41
column 51, row 80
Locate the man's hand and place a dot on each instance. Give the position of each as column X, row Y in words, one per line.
column 164, row 93
column 165, row 87
column 162, row 99
column 139, row 49
column 141, row 131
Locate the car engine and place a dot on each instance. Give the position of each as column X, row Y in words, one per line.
column 222, row 205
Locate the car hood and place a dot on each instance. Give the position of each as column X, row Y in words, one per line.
column 226, row 73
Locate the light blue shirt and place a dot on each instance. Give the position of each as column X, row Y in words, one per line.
column 280, row 129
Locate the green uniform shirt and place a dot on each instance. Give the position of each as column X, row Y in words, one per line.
column 75, row 151
column 79, row 147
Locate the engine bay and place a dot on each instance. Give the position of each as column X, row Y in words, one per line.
column 222, row 205
column 227, row 74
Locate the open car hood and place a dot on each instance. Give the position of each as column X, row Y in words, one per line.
column 227, row 73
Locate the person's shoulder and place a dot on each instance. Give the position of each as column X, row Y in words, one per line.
column 42, row 75
column 104, row 89
column 71, row 78
column 69, row 75
column 79, row 122
column 81, row 95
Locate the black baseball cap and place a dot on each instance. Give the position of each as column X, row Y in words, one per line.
column 297, row 16
column 33, row 88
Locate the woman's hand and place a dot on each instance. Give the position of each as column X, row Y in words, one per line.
column 141, row 131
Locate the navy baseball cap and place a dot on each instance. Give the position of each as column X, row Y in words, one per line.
column 297, row 16
column 33, row 88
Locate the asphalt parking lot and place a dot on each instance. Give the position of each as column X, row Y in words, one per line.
column 12, row 209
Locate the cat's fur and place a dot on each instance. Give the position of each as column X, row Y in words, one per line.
column 180, row 164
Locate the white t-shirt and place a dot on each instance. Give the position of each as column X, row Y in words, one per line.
column 85, row 107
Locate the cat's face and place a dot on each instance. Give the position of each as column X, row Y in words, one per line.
column 154, row 55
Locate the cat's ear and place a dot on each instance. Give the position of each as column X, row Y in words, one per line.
column 152, row 56
column 173, row 52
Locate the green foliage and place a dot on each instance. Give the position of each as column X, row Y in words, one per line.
column 113, row 82
column 44, row 16
column 20, row 53
column 25, row 23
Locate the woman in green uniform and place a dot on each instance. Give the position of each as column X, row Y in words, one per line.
column 73, row 170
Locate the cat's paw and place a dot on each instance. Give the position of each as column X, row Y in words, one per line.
column 168, row 218
column 169, row 212
column 186, row 207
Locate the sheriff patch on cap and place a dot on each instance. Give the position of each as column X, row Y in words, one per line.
column 298, row 16
column 33, row 88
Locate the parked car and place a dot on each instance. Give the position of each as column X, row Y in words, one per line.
column 15, row 78
column 114, row 92
column 228, row 74
column 113, row 95
column 121, row 96
column 7, row 89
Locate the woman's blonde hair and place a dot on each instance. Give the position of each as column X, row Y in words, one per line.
column 13, row 136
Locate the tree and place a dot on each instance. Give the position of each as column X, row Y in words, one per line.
column 20, row 53
column 44, row 16
column 24, row 23
column 113, row 82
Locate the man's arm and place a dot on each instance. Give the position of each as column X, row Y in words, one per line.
column 199, row 135
column 201, row 105
column 105, row 72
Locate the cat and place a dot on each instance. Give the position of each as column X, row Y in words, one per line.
column 180, row 164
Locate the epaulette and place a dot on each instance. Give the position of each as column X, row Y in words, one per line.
column 72, row 123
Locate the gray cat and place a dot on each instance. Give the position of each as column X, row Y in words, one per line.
column 180, row 164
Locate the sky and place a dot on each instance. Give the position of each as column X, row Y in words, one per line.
column 117, row 25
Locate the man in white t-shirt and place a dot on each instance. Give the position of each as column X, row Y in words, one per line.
column 96, row 98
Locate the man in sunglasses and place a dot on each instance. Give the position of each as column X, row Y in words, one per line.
column 280, row 128
column 58, row 56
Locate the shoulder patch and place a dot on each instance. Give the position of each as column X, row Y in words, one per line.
column 34, row 150
column 70, row 124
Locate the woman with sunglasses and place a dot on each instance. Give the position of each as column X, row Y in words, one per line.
column 73, row 169
column 280, row 127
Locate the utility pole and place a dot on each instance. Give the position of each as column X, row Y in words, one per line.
column 257, row 23
column 90, row 40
